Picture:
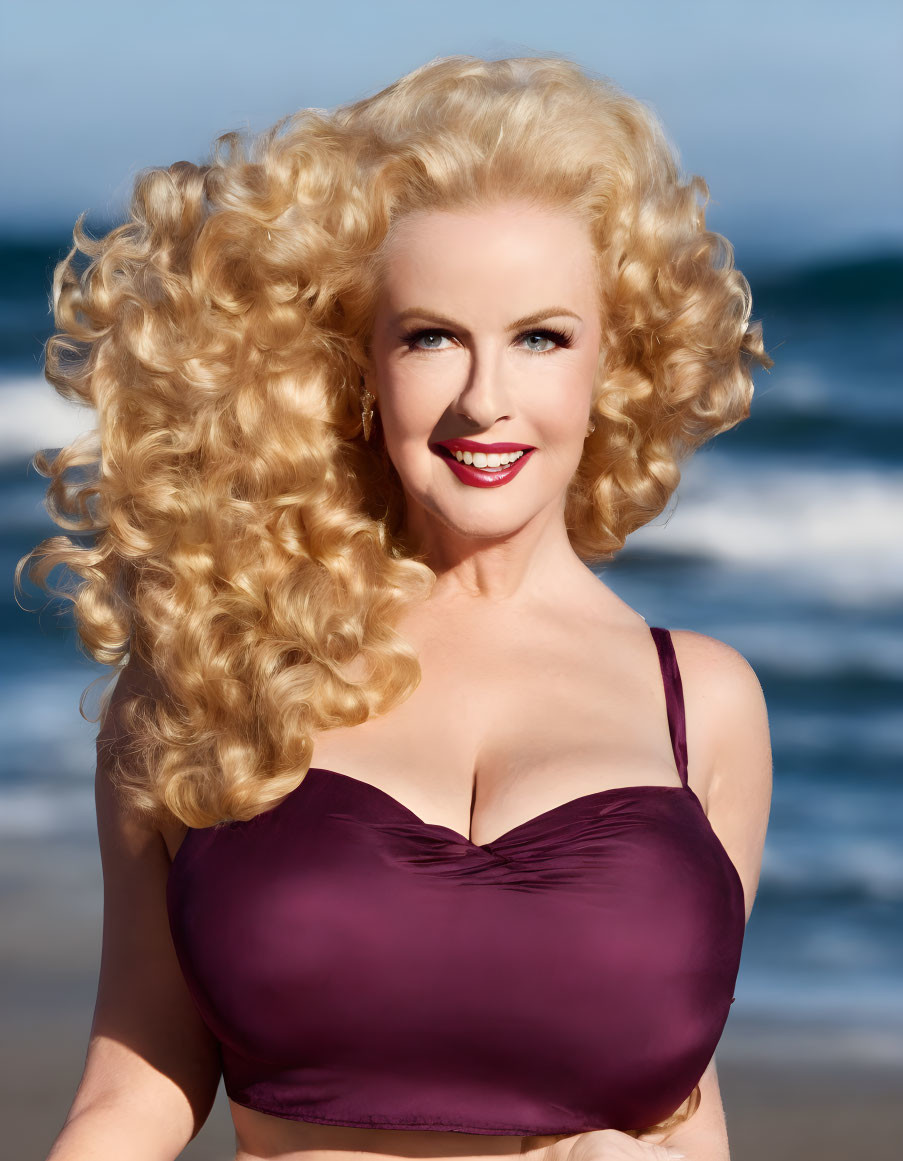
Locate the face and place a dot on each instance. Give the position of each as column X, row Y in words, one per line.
column 486, row 333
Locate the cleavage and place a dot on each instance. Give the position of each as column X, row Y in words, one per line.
column 481, row 747
column 519, row 792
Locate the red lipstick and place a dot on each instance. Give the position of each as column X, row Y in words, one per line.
column 471, row 445
column 481, row 477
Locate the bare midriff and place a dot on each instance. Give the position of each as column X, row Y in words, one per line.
column 266, row 1138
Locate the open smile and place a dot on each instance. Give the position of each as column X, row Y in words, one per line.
column 485, row 476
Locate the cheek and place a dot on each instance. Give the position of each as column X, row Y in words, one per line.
column 408, row 424
column 408, row 418
column 561, row 410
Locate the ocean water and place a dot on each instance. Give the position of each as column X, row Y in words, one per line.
column 784, row 540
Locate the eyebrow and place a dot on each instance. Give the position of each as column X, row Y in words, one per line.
column 518, row 324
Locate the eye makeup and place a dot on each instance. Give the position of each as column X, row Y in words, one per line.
column 562, row 338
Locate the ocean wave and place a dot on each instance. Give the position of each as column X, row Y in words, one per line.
column 870, row 733
column 843, row 869
column 36, row 418
column 822, row 531
column 801, row 649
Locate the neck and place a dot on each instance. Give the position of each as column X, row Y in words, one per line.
column 532, row 562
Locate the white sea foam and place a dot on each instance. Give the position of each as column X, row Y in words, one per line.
column 826, row 531
column 35, row 417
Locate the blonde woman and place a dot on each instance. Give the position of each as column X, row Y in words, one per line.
column 412, row 830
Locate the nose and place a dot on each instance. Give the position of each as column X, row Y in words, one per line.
column 485, row 397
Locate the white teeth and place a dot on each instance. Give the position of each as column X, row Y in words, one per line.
column 490, row 460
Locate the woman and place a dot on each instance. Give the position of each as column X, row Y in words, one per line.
column 411, row 828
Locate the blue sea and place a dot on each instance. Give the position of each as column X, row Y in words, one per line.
column 785, row 539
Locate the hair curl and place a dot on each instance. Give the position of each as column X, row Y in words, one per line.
column 246, row 545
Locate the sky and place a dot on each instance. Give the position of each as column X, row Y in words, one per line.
column 792, row 110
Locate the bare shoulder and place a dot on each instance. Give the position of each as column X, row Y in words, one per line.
column 725, row 706
column 701, row 649
column 728, row 747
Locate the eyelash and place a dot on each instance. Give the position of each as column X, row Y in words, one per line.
column 562, row 338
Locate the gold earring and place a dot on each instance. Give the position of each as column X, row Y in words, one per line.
column 367, row 410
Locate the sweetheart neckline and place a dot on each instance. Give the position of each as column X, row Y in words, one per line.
column 485, row 848
column 464, row 839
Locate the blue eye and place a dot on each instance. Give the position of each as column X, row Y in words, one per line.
column 546, row 338
column 558, row 338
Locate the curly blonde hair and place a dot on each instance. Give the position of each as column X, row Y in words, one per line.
column 246, row 545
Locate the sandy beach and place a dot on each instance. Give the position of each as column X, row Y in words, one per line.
column 790, row 1094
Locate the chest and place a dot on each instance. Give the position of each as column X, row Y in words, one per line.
column 493, row 736
column 509, row 721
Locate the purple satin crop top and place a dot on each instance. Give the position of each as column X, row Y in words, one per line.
column 361, row 967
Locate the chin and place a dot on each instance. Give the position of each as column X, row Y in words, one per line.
column 485, row 526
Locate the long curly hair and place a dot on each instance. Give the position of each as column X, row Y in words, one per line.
column 242, row 545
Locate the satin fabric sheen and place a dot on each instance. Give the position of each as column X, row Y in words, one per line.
column 361, row 967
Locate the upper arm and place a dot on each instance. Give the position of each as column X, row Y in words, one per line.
column 149, row 1049
column 730, row 770
column 729, row 749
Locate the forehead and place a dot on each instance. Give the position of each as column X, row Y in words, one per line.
column 495, row 248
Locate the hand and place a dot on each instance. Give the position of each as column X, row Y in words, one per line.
column 611, row 1145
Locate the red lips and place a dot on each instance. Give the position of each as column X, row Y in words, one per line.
column 479, row 477
column 471, row 445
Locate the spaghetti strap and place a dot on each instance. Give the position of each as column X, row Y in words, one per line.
column 674, row 698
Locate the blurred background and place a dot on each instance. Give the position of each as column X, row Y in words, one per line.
column 784, row 538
